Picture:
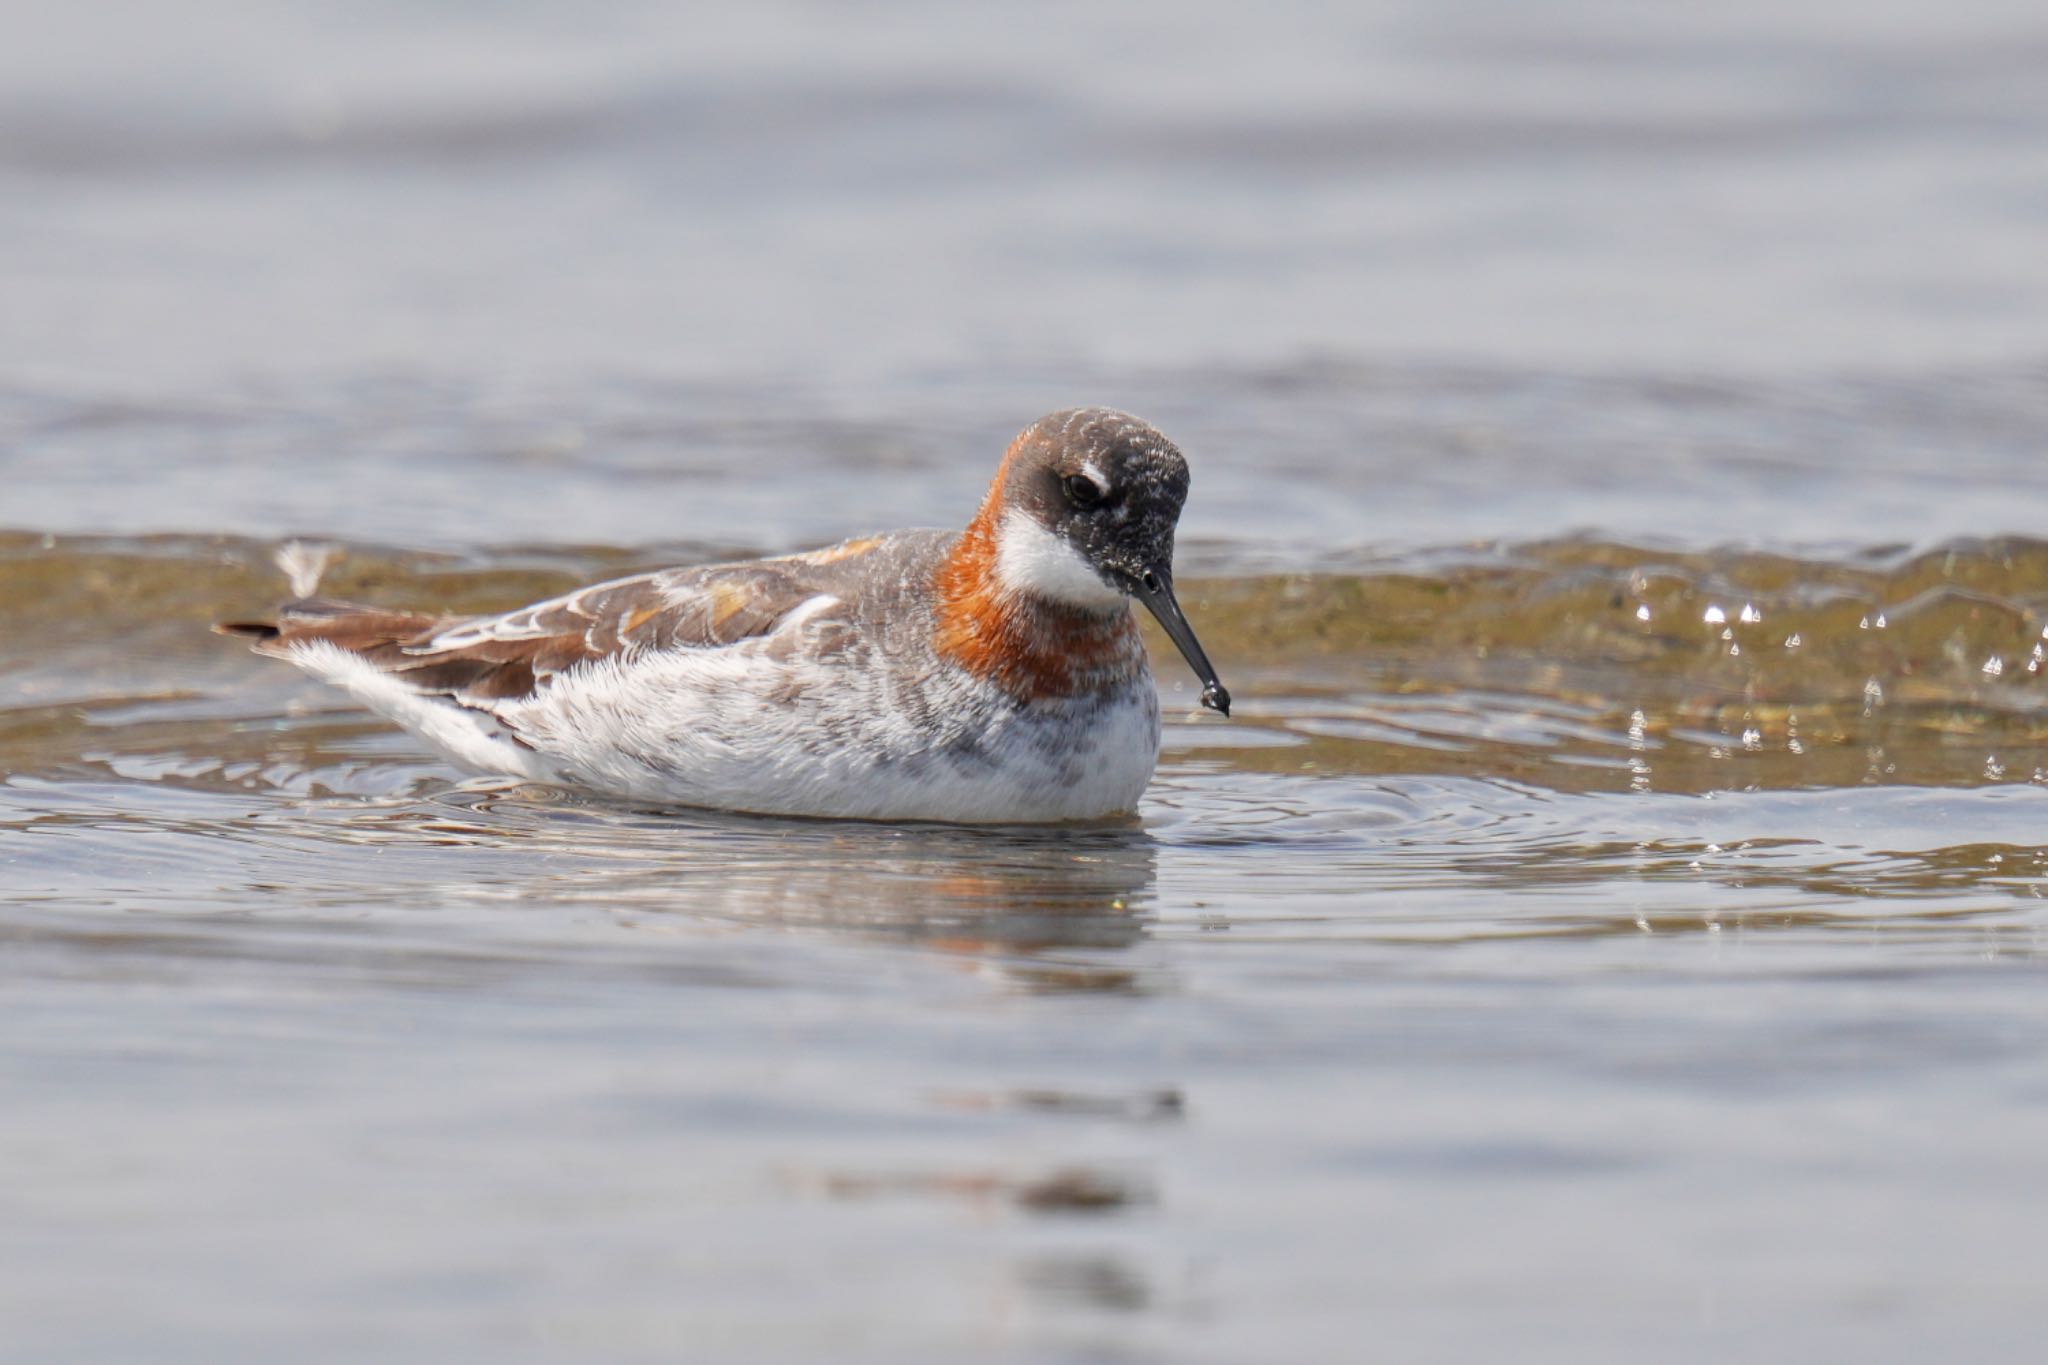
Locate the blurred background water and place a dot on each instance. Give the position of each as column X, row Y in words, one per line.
column 1610, row 928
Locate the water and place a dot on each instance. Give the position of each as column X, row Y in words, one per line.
column 1609, row 927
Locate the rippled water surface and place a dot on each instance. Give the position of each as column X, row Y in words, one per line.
column 1609, row 927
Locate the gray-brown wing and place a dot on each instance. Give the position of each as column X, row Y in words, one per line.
column 479, row 660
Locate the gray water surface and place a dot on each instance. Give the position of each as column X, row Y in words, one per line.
column 1609, row 928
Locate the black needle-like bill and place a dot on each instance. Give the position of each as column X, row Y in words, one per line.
column 1154, row 588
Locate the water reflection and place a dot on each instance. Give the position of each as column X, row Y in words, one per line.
column 1016, row 899
column 1036, row 906
column 1077, row 1189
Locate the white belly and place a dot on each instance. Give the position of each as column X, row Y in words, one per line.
column 713, row 729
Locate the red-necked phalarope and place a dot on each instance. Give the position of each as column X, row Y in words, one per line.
column 990, row 675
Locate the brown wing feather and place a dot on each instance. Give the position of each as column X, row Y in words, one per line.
column 354, row 627
column 478, row 660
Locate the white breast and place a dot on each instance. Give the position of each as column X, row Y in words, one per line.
column 719, row 728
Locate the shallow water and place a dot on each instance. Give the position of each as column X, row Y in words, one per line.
column 1502, row 945
column 1610, row 925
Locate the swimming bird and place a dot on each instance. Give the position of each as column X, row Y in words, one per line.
column 993, row 674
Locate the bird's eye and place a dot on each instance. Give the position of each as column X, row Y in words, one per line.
column 1082, row 491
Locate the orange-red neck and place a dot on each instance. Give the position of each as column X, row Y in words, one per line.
column 1033, row 648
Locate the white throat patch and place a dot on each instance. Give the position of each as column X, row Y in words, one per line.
column 1031, row 559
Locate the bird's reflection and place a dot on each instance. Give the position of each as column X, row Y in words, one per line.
column 1038, row 904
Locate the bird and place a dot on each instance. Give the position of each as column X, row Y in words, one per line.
column 991, row 675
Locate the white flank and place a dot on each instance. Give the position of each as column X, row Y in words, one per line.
column 704, row 727
column 1031, row 559
column 472, row 738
